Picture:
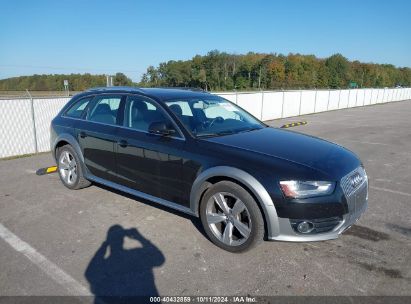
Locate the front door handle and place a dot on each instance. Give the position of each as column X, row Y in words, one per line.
column 122, row 143
column 83, row 134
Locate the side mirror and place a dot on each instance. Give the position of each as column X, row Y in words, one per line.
column 160, row 128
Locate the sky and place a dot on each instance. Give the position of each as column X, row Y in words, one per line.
column 104, row 37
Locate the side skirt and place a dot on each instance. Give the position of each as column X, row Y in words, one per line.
column 143, row 195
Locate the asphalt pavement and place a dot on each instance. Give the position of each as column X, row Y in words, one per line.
column 56, row 241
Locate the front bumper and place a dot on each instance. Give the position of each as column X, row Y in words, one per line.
column 357, row 201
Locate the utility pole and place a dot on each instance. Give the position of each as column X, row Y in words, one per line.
column 66, row 87
column 109, row 81
column 33, row 121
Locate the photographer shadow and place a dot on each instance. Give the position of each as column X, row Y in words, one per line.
column 116, row 272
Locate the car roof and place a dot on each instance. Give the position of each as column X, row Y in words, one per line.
column 159, row 93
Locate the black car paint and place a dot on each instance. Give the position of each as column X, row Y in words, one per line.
column 166, row 167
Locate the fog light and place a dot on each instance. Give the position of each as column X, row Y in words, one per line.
column 305, row 227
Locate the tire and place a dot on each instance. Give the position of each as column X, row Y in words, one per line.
column 70, row 168
column 242, row 217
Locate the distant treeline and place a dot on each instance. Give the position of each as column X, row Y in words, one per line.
column 77, row 82
column 219, row 71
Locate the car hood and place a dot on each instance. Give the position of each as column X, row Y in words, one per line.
column 331, row 159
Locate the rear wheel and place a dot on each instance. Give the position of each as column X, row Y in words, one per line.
column 231, row 217
column 69, row 168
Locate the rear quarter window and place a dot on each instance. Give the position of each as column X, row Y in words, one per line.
column 77, row 109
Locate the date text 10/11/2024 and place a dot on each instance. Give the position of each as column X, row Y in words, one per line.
column 203, row 299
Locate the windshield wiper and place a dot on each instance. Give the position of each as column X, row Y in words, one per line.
column 221, row 133
column 249, row 129
column 227, row 132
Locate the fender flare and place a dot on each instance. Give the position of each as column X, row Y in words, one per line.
column 73, row 143
column 264, row 199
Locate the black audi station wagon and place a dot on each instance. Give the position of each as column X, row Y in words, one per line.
column 203, row 155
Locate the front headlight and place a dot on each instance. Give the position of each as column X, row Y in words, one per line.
column 304, row 189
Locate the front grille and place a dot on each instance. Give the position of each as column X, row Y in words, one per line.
column 356, row 194
column 348, row 182
column 320, row 225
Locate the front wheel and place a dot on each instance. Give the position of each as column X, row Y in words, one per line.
column 231, row 217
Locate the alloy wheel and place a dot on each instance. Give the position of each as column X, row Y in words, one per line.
column 68, row 167
column 228, row 218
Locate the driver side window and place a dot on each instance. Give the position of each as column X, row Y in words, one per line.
column 141, row 112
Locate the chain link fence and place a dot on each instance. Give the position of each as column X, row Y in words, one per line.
column 25, row 122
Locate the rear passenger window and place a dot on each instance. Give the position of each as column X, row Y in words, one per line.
column 105, row 110
column 77, row 109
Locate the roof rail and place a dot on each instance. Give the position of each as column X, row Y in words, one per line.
column 194, row 89
column 115, row 88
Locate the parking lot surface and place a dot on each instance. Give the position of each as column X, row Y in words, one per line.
column 56, row 241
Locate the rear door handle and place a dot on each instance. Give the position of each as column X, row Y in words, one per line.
column 122, row 143
column 83, row 134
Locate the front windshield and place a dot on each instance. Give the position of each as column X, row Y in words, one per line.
column 212, row 116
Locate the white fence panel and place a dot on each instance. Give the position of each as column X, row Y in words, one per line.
column 386, row 95
column 381, row 96
column 44, row 112
column 359, row 100
column 373, row 97
column 292, row 101
column 272, row 105
column 16, row 128
column 394, row 94
column 334, row 99
column 251, row 102
column 367, row 96
column 352, row 98
column 389, row 95
column 397, row 94
column 308, row 102
column 344, row 99
column 230, row 96
column 322, row 101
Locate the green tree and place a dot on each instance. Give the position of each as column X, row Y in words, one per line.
column 338, row 67
column 121, row 80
